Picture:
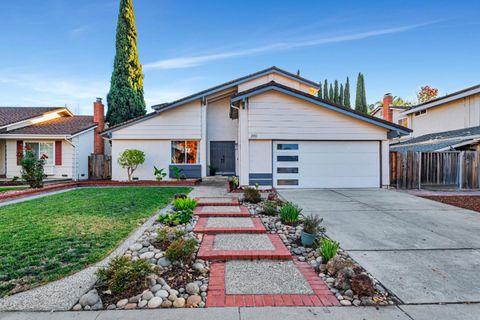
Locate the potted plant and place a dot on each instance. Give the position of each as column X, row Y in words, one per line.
column 311, row 226
column 213, row 169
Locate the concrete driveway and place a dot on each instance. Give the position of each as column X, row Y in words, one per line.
column 421, row 250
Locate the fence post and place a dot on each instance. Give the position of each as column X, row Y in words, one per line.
column 419, row 170
column 461, row 163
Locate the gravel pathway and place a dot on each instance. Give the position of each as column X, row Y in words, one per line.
column 264, row 277
column 242, row 242
column 218, row 222
column 220, row 209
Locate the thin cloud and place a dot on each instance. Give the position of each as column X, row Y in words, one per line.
column 193, row 61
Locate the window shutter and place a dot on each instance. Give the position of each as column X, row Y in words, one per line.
column 19, row 152
column 58, row 153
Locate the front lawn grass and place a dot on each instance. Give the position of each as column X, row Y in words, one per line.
column 45, row 239
column 5, row 189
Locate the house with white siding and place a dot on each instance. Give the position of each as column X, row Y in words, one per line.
column 450, row 122
column 65, row 139
column 268, row 128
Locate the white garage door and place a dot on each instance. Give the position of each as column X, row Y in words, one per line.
column 326, row 164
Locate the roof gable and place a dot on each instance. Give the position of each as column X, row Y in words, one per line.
column 234, row 83
column 11, row 115
column 395, row 129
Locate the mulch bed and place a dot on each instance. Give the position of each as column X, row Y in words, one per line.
column 466, row 202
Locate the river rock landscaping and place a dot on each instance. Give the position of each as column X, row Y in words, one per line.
column 168, row 283
column 350, row 283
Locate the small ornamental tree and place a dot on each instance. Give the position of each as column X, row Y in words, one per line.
column 427, row 93
column 131, row 159
column 32, row 168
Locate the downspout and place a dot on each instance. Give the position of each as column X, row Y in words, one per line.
column 75, row 155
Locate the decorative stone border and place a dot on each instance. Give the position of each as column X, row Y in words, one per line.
column 201, row 227
column 218, row 298
column 207, row 251
column 244, row 212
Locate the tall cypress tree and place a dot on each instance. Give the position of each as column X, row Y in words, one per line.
column 125, row 98
column 325, row 90
column 360, row 98
column 335, row 92
column 340, row 96
column 330, row 93
column 346, row 98
column 319, row 93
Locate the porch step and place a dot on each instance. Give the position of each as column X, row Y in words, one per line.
column 217, row 201
column 243, row 246
column 222, row 211
column 214, row 225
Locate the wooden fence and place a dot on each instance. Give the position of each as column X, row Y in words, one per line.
column 99, row 167
column 455, row 169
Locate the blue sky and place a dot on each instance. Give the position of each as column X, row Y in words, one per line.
column 57, row 52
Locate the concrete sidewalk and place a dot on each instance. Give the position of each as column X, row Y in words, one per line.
column 418, row 312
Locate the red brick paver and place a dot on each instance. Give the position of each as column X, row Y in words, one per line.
column 244, row 212
column 217, row 296
column 207, row 252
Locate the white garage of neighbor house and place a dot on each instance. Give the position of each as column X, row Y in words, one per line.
column 268, row 128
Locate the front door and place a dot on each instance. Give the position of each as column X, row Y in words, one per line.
column 222, row 156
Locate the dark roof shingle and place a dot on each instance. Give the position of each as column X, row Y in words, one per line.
column 9, row 115
column 59, row 126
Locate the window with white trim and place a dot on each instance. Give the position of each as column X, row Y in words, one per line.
column 42, row 149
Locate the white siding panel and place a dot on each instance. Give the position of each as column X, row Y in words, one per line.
column 260, row 156
column 274, row 115
column 182, row 122
column 219, row 125
column 157, row 153
column 84, row 143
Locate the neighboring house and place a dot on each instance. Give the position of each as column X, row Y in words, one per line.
column 393, row 114
column 451, row 122
column 66, row 139
column 268, row 128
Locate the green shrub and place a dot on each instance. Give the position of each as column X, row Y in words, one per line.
column 311, row 224
column 131, row 159
column 183, row 204
column 328, row 249
column 233, row 181
column 123, row 274
column 159, row 173
column 174, row 218
column 252, row 195
column 269, row 208
column 166, row 236
column 178, row 173
column 181, row 250
column 289, row 213
column 32, row 168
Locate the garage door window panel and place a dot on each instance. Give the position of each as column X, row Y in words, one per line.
column 287, row 182
column 287, row 170
column 287, row 158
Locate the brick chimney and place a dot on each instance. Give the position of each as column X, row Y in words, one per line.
column 99, row 119
column 387, row 102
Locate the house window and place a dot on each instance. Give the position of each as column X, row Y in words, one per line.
column 403, row 122
column 287, row 158
column 287, row 182
column 287, row 170
column 41, row 149
column 185, row 152
column 420, row 112
column 287, row 146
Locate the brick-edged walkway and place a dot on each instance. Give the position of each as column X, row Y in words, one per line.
column 220, row 244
